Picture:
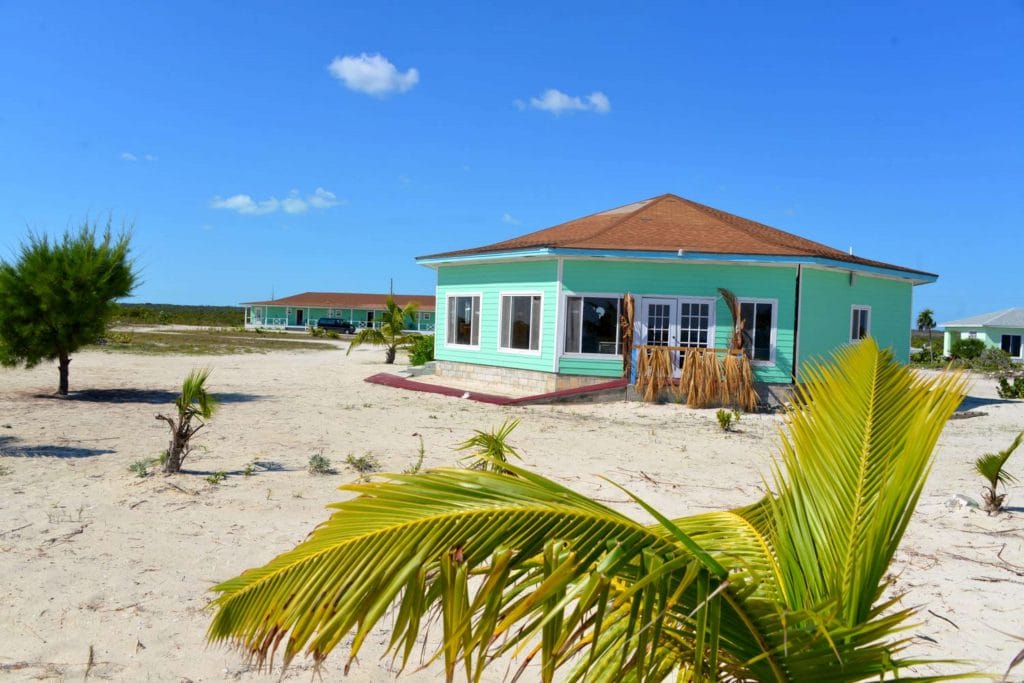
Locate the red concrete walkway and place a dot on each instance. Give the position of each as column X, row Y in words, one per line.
column 389, row 380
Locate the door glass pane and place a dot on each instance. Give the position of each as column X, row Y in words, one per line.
column 658, row 323
column 763, row 332
column 694, row 324
column 573, row 315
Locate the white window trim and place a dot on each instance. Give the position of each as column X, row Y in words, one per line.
column 859, row 307
column 540, row 339
column 775, row 328
column 588, row 356
column 448, row 344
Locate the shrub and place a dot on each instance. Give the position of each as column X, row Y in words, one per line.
column 319, row 464
column 217, row 477
column 363, row 464
column 993, row 360
column 727, row 418
column 1009, row 386
column 422, row 350
column 967, row 349
column 140, row 468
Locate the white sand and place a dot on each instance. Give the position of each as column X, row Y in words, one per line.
column 92, row 556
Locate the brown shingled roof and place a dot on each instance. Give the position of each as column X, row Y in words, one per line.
column 347, row 300
column 669, row 223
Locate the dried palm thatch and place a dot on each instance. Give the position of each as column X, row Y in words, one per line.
column 733, row 304
column 701, row 377
column 738, row 390
column 708, row 377
column 626, row 323
column 653, row 371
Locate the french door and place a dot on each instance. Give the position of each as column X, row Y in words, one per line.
column 676, row 321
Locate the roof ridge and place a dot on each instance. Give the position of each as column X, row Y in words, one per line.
column 649, row 203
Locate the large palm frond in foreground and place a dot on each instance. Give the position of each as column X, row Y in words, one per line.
column 787, row 589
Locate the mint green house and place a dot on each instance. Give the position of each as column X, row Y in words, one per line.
column 1000, row 330
column 301, row 311
column 540, row 311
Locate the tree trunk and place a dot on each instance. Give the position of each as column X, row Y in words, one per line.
column 62, row 388
column 389, row 356
column 175, row 454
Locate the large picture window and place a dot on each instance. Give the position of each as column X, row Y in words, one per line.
column 592, row 325
column 1011, row 344
column 464, row 320
column 758, row 323
column 520, row 322
column 860, row 322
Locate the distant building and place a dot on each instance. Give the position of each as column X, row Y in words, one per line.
column 543, row 309
column 301, row 311
column 999, row 330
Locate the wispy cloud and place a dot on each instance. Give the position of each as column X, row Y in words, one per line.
column 129, row 156
column 557, row 102
column 510, row 219
column 372, row 74
column 323, row 199
column 294, row 203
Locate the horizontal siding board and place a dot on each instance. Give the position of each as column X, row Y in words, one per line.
column 827, row 297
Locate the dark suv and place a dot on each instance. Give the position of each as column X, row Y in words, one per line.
column 336, row 324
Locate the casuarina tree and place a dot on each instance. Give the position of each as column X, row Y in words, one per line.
column 60, row 295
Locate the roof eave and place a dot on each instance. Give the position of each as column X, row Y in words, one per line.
column 916, row 277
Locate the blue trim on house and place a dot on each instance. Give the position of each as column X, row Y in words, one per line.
column 914, row 276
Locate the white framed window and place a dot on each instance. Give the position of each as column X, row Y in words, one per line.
column 696, row 323
column 592, row 324
column 519, row 324
column 463, row 320
column 759, row 323
column 1011, row 343
column 860, row 322
column 971, row 335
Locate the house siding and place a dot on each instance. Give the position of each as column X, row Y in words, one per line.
column 827, row 297
column 992, row 336
column 490, row 281
column 688, row 279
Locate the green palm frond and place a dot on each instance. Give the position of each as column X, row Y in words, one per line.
column 367, row 335
column 194, row 399
column 391, row 333
column 787, row 589
column 491, row 450
column 991, row 465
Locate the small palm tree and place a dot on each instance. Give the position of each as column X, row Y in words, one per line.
column 789, row 588
column 193, row 404
column 926, row 322
column 391, row 334
column 491, row 450
column 990, row 466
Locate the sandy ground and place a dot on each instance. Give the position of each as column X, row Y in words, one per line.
column 96, row 559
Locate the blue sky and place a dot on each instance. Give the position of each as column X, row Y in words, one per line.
column 285, row 147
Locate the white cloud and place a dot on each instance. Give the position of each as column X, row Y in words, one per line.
column 323, row 199
column 372, row 74
column 128, row 156
column 292, row 204
column 557, row 102
column 243, row 203
column 510, row 219
column 150, row 157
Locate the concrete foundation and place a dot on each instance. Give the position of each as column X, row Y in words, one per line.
column 512, row 379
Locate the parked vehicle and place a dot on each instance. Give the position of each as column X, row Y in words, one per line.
column 336, row 325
